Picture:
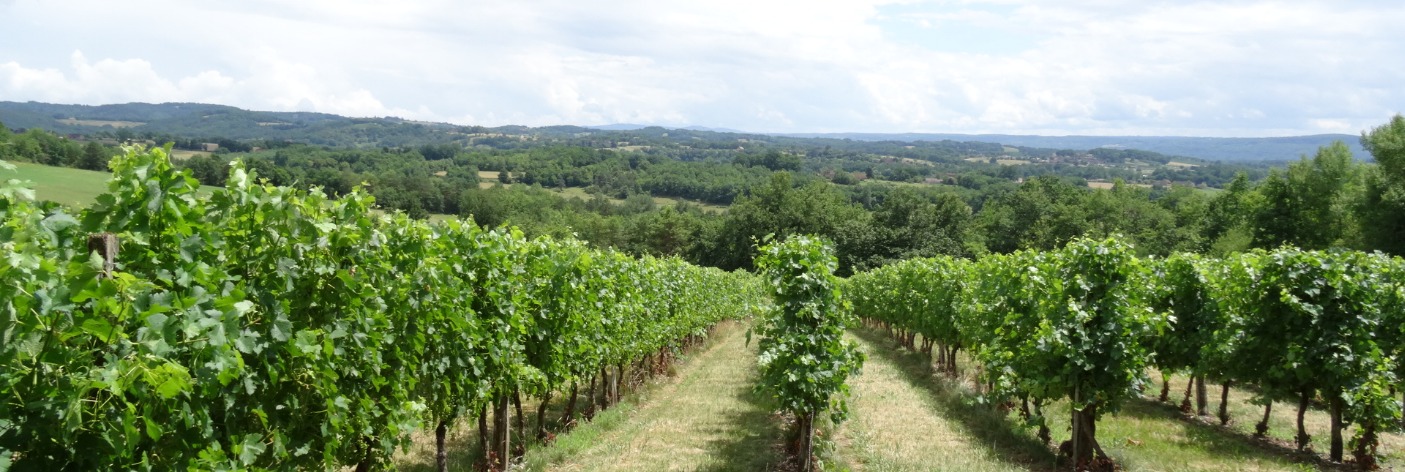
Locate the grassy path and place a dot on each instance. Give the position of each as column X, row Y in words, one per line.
column 707, row 418
column 898, row 424
column 906, row 418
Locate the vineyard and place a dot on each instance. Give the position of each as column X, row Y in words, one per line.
column 262, row 327
column 1086, row 323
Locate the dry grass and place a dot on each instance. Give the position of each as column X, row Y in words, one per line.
column 183, row 154
column 903, row 419
column 100, row 123
column 461, row 442
column 707, row 419
column 1105, row 185
column 1244, row 414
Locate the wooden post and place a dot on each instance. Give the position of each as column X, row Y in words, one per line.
column 106, row 245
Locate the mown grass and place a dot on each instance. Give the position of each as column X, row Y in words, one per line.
column 903, row 419
column 73, row 187
column 707, row 418
column 1144, row 435
column 692, row 419
column 1244, row 414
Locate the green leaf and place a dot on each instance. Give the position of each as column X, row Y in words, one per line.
column 250, row 449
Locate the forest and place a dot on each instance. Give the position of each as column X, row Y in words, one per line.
column 663, row 192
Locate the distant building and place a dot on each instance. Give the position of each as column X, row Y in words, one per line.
column 209, row 147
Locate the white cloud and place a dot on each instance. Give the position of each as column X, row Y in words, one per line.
column 281, row 87
column 1119, row 67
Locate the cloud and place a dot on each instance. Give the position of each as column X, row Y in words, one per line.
column 281, row 87
column 1115, row 67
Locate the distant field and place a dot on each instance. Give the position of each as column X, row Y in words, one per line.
column 1003, row 162
column 1105, row 185
column 182, row 154
column 488, row 179
column 77, row 188
column 72, row 187
column 100, row 123
column 1181, row 165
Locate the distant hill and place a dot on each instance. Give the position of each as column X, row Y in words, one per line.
column 1210, row 149
column 618, row 127
column 205, row 120
column 199, row 120
column 635, row 127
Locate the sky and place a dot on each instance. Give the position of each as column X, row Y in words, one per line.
column 1093, row 67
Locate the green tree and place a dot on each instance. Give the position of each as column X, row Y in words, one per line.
column 1381, row 211
column 778, row 207
column 94, row 157
column 909, row 226
column 1387, row 144
column 1227, row 225
column 1305, row 205
column 1044, row 213
column 1129, row 211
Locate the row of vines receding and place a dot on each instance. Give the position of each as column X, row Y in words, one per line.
column 1086, row 324
column 262, row 327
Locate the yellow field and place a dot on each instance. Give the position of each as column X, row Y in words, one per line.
column 100, row 123
column 182, row 154
column 1003, row 162
column 1105, row 185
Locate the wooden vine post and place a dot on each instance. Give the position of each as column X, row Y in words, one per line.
column 106, row 245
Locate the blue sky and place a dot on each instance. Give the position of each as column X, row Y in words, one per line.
column 1222, row 68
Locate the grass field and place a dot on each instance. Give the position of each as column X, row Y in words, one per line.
column 72, row 187
column 77, row 188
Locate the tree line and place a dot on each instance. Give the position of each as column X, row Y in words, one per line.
column 871, row 219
